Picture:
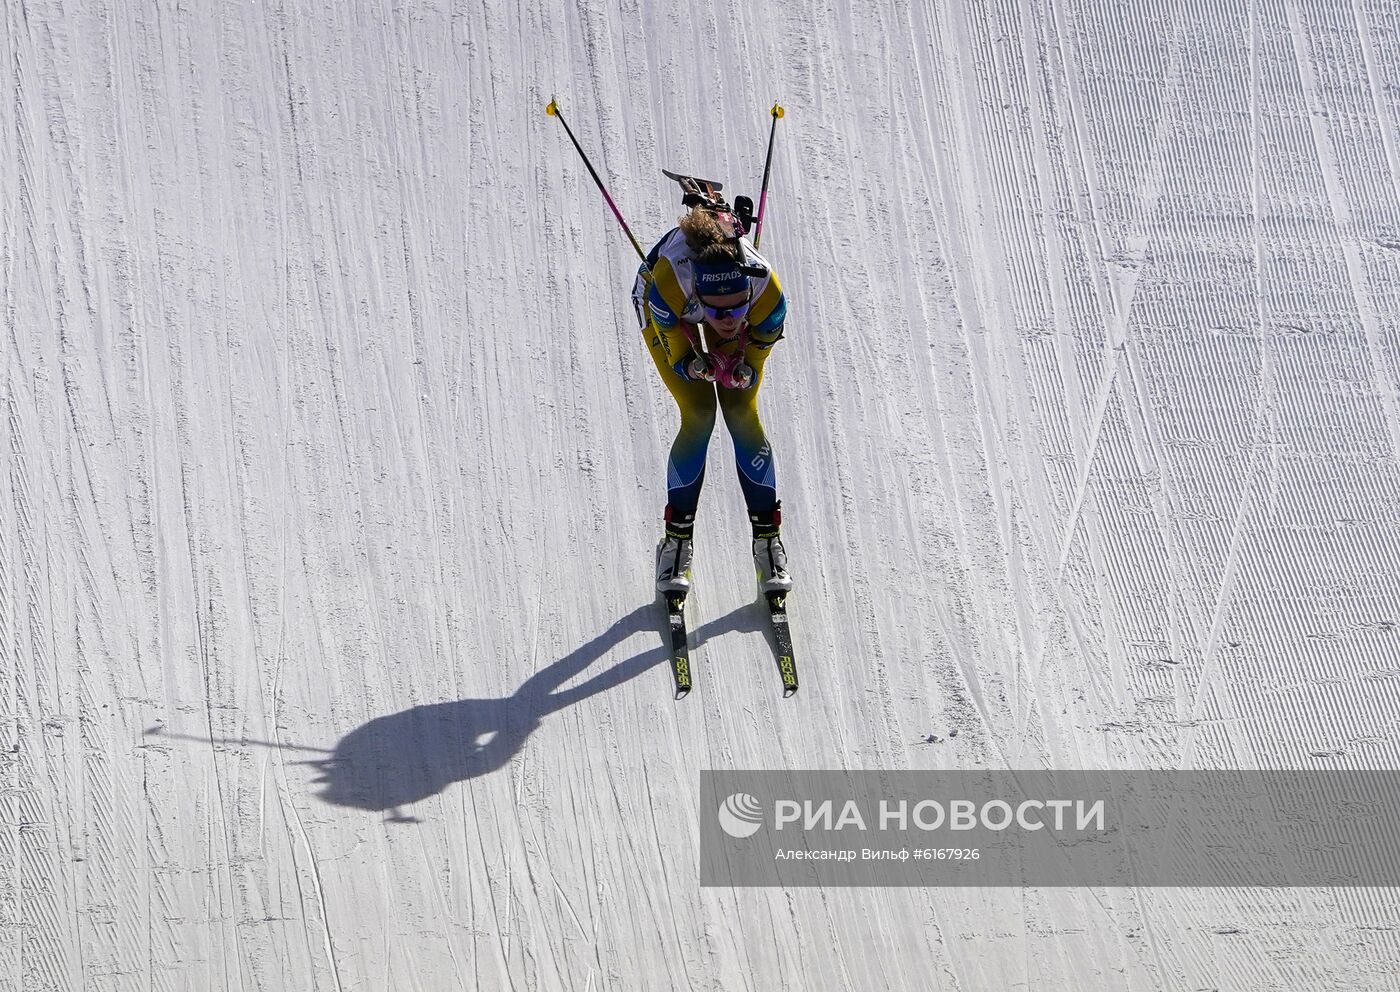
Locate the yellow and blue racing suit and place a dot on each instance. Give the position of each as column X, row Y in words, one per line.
column 670, row 314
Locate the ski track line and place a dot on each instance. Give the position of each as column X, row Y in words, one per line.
column 1324, row 147
column 1142, row 421
column 1058, row 247
column 674, row 904
column 312, row 869
column 11, row 590
column 1148, row 200
column 1085, row 439
column 1140, row 409
column 1223, row 599
column 1031, row 135
column 45, row 951
column 1209, row 649
column 921, row 381
column 1384, row 121
column 1015, row 419
column 50, row 950
column 944, row 443
column 1116, row 315
column 968, row 309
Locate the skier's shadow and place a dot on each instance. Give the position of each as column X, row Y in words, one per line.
column 396, row 760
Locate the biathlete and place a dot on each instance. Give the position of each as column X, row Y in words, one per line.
column 698, row 289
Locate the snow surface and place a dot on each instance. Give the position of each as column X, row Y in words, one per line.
column 331, row 462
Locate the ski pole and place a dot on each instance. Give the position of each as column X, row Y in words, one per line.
column 777, row 112
column 553, row 111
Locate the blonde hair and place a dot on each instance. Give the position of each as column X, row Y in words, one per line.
column 707, row 238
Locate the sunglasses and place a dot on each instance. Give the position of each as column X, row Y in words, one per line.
column 727, row 313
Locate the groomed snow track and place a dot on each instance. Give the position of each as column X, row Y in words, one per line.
column 331, row 462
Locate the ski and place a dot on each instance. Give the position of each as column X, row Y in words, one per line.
column 680, row 642
column 782, row 640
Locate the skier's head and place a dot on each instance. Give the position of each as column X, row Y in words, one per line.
column 726, row 313
column 714, row 281
column 720, row 286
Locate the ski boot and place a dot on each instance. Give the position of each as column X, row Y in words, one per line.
column 769, row 557
column 673, row 554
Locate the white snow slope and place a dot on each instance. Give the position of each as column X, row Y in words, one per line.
column 331, row 462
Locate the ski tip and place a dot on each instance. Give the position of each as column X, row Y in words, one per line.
column 682, row 693
column 789, row 691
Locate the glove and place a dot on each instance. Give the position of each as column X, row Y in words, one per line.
column 731, row 371
column 695, row 368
